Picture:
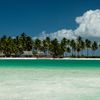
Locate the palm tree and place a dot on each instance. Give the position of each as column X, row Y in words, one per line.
column 63, row 45
column 88, row 45
column 29, row 43
column 78, row 50
column 73, row 46
column 68, row 50
column 37, row 46
column 68, row 42
column 44, row 46
column 17, row 46
column 48, row 42
column 55, row 48
column 8, row 46
column 2, row 43
column 23, row 41
column 79, row 44
column 82, row 46
column 94, row 47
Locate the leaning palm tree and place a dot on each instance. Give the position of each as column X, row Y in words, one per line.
column 88, row 45
column 94, row 47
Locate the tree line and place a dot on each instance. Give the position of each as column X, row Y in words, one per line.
column 53, row 48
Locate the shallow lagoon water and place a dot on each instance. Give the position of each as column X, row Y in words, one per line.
column 67, row 82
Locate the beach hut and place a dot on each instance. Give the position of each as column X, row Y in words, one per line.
column 2, row 54
column 27, row 54
column 40, row 53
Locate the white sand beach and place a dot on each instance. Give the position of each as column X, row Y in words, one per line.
column 30, row 58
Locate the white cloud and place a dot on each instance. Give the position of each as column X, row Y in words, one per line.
column 89, row 26
column 62, row 33
column 42, row 35
column 59, row 34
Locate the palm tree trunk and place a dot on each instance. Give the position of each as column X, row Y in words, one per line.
column 72, row 52
column 63, row 54
column 82, row 53
column 93, row 53
column 87, row 52
column 75, row 54
column 78, row 55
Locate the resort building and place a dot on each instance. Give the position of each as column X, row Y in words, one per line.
column 2, row 54
column 27, row 54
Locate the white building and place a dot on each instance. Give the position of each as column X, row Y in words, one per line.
column 27, row 54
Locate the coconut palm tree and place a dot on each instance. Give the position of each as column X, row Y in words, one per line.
column 23, row 41
column 73, row 46
column 37, row 46
column 68, row 50
column 17, row 47
column 78, row 50
column 44, row 46
column 87, row 45
column 2, row 43
column 80, row 44
column 48, row 42
column 8, row 46
column 63, row 45
column 55, row 48
column 94, row 47
column 29, row 43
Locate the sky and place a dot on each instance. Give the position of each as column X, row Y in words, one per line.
column 49, row 17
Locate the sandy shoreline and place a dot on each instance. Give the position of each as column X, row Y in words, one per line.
column 51, row 58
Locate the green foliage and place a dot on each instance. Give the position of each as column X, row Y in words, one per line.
column 94, row 47
column 88, row 45
column 15, row 46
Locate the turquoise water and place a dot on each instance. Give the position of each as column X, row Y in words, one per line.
column 49, row 80
column 50, row 63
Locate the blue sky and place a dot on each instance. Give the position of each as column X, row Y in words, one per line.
column 35, row 16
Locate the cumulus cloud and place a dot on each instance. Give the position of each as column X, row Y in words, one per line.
column 62, row 33
column 89, row 26
column 42, row 35
column 59, row 34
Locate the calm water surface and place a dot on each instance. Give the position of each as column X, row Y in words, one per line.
column 49, row 80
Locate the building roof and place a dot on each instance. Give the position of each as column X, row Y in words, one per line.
column 2, row 54
column 27, row 53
